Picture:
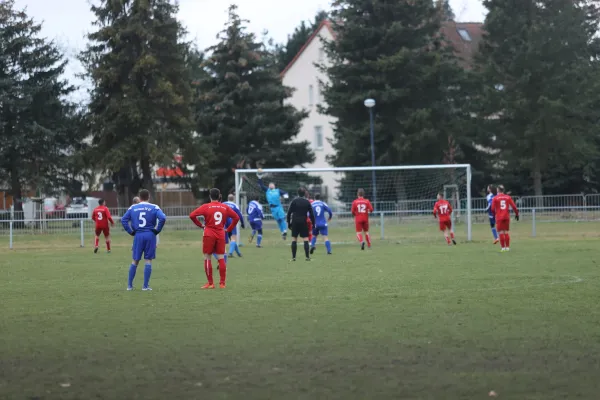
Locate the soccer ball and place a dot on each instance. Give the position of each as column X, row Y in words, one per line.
column 260, row 170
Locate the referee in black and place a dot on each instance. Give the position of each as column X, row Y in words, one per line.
column 299, row 209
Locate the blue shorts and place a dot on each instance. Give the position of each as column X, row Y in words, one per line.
column 492, row 221
column 144, row 243
column 256, row 225
column 277, row 213
column 321, row 230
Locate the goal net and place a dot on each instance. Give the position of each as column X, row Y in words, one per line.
column 403, row 198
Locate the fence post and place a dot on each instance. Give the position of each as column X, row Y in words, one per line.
column 381, row 219
column 10, row 240
column 81, row 232
column 533, row 230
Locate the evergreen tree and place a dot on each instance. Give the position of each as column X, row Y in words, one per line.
column 446, row 9
column 241, row 112
column 35, row 135
column 285, row 53
column 539, row 69
column 394, row 53
column 139, row 112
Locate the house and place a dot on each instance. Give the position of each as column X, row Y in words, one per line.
column 303, row 76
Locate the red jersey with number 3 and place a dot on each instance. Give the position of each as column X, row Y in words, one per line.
column 501, row 205
column 215, row 215
column 102, row 217
column 361, row 208
column 443, row 210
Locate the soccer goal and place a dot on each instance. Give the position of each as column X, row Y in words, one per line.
column 403, row 197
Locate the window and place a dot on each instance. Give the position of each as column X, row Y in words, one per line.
column 464, row 34
column 321, row 54
column 310, row 96
column 319, row 137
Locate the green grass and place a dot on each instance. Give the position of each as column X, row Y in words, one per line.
column 403, row 321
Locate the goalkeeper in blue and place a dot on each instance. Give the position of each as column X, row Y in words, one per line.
column 231, row 237
column 143, row 221
column 274, row 196
column 320, row 208
column 255, row 218
column 491, row 189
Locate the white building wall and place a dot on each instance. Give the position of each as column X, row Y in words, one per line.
column 304, row 76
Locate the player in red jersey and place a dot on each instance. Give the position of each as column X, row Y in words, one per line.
column 501, row 206
column 361, row 208
column 442, row 210
column 308, row 221
column 214, row 216
column 101, row 216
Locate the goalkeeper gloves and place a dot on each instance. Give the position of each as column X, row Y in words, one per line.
column 155, row 231
column 517, row 217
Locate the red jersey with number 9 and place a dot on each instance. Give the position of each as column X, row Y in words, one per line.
column 361, row 208
column 442, row 210
column 215, row 215
column 501, row 206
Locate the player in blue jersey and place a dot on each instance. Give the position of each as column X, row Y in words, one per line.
column 320, row 208
column 255, row 218
column 143, row 221
column 231, row 238
column 491, row 189
column 274, row 196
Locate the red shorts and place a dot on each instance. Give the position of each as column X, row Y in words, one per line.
column 503, row 224
column 212, row 245
column 445, row 225
column 105, row 230
column 362, row 226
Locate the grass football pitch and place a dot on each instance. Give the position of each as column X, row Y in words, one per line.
column 406, row 320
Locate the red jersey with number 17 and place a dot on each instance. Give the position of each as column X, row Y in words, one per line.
column 361, row 208
column 501, row 205
column 102, row 217
column 442, row 209
column 215, row 215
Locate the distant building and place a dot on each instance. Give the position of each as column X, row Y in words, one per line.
column 303, row 76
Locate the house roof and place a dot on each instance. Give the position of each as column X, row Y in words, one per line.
column 465, row 49
column 325, row 23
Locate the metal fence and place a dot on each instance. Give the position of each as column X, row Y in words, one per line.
column 388, row 219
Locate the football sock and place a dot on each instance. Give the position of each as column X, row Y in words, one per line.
column 507, row 240
column 208, row 271
column 452, row 235
column 359, row 237
column 224, row 258
column 495, row 233
column 502, row 240
column 252, row 234
column 96, row 241
column 281, row 224
column 294, row 249
column 237, row 249
column 132, row 269
column 108, row 245
column 313, row 242
column 447, row 239
column 368, row 239
column 222, row 270
column 306, row 249
column 259, row 239
column 328, row 246
column 147, row 273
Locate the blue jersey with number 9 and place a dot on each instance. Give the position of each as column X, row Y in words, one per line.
column 320, row 208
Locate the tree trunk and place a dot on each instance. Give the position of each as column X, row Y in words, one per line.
column 146, row 180
column 17, row 194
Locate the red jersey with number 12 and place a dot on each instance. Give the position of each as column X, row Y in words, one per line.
column 361, row 208
column 442, row 209
column 501, row 206
column 215, row 215
column 102, row 217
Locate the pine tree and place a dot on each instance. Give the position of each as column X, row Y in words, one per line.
column 394, row 53
column 140, row 103
column 35, row 136
column 285, row 53
column 539, row 70
column 241, row 112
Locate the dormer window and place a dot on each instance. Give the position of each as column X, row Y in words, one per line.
column 464, row 34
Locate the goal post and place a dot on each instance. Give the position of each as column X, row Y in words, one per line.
column 405, row 196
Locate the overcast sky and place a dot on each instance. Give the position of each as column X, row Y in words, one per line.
column 67, row 21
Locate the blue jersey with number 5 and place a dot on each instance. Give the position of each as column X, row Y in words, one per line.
column 143, row 217
column 320, row 208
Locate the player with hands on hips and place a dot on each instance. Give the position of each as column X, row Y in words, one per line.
column 501, row 206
